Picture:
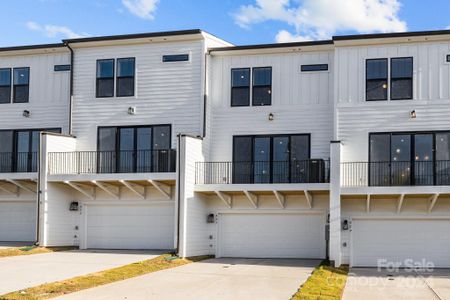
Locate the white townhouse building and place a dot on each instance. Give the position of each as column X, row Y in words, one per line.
column 179, row 140
column 34, row 96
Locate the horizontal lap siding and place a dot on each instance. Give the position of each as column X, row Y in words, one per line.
column 166, row 93
column 301, row 102
column 49, row 93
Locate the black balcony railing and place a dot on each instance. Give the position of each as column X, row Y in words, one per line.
column 398, row 173
column 89, row 162
column 306, row 171
column 18, row 162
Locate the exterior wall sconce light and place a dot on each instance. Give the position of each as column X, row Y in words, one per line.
column 26, row 113
column 271, row 117
column 131, row 110
column 345, row 225
column 413, row 114
column 73, row 206
column 210, row 219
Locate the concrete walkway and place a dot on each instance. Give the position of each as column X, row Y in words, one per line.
column 371, row 284
column 20, row 272
column 217, row 279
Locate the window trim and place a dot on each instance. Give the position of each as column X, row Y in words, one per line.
column 241, row 87
column 447, row 58
column 302, row 68
column 117, row 77
column 391, row 79
column 253, row 85
column 14, row 85
column 100, row 78
column 10, row 84
column 387, row 79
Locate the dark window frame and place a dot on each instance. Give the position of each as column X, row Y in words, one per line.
column 271, row 137
column 261, row 86
column 62, row 68
column 97, row 79
column 391, row 79
column 447, row 58
column 173, row 58
column 10, row 84
column 314, row 68
column 367, row 80
column 117, row 77
column 21, row 85
column 241, row 87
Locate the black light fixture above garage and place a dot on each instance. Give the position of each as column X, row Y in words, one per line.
column 73, row 206
column 210, row 219
column 26, row 113
column 413, row 114
column 271, row 117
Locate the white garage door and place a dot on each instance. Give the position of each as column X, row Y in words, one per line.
column 130, row 227
column 399, row 240
column 273, row 235
column 17, row 221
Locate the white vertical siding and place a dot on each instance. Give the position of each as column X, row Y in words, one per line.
column 166, row 93
column 49, row 93
column 302, row 102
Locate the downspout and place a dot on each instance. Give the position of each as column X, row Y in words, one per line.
column 38, row 183
column 70, row 85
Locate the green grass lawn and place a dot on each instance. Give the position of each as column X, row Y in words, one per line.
column 59, row 288
column 325, row 283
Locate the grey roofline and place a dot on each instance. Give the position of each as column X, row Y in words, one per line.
column 389, row 35
column 132, row 36
column 32, row 47
column 275, row 45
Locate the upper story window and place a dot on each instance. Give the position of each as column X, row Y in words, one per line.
column 21, row 79
column 261, row 92
column 105, row 78
column 5, row 85
column 175, row 58
column 448, row 57
column 125, row 77
column 262, row 86
column 240, row 87
column 400, row 82
column 401, row 78
column 61, row 68
column 314, row 68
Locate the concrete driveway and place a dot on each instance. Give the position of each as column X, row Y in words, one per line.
column 20, row 272
column 371, row 284
column 212, row 279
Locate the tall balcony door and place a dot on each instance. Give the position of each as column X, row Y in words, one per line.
column 138, row 149
column 271, row 158
column 409, row 158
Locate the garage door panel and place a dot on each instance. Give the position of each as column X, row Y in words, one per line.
column 130, row 227
column 399, row 240
column 17, row 221
column 272, row 235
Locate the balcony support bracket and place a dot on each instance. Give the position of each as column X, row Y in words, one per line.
column 309, row 198
column 432, row 202
column 108, row 188
column 281, row 198
column 10, row 189
column 135, row 188
column 88, row 191
column 162, row 188
column 23, row 186
column 368, row 203
column 401, row 198
column 225, row 198
column 252, row 198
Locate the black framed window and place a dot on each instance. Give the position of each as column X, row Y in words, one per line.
column 105, row 78
column 448, row 58
column 272, row 159
column 125, row 77
column 376, row 79
column 135, row 149
column 21, row 85
column 175, row 58
column 314, row 68
column 262, row 86
column 401, row 78
column 409, row 158
column 5, row 85
column 61, row 68
column 240, row 87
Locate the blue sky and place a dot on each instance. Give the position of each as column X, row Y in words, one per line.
column 238, row 21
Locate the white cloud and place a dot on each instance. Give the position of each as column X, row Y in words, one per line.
column 54, row 30
column 320, row 19
column 143, row 9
